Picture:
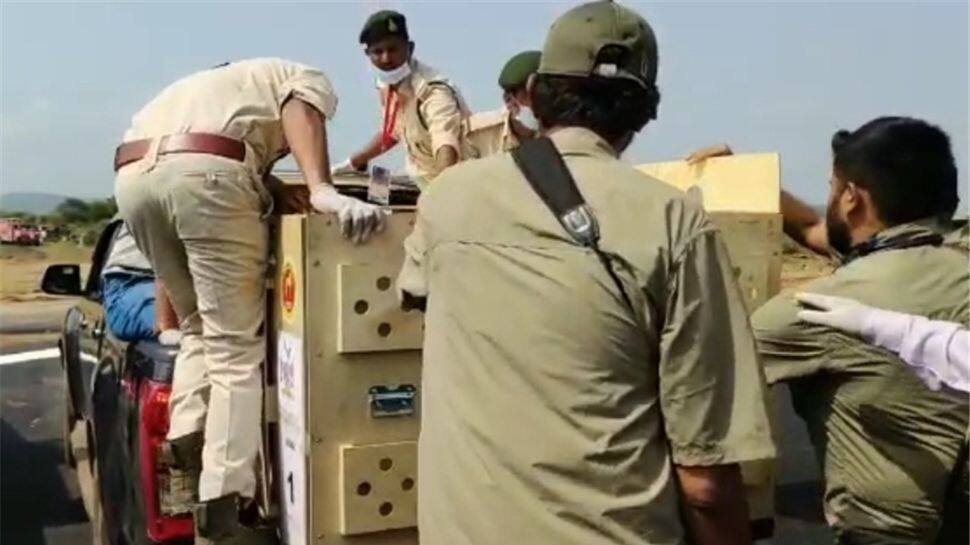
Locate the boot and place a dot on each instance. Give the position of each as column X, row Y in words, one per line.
column 230, row 520
column 183, row 457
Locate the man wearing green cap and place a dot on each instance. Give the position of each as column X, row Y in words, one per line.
column 594, row 393
column 502, row 130
column 421, row 107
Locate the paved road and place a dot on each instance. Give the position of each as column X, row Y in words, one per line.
column 41, row 504
column 33, row 317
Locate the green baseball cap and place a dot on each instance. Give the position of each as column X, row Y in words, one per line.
column 578, row 36
column 383, row 24
column 517, row 70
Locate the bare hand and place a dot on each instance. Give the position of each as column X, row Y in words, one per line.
column 701, row 155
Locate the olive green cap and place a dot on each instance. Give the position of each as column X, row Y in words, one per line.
column 517, row 70
column 577, row 37
column 383, row 24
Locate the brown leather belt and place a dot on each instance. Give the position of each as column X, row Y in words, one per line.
column 190, row 142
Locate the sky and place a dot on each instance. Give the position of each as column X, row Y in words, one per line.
column 761, row 76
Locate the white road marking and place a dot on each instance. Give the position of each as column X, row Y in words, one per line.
column 31, row 355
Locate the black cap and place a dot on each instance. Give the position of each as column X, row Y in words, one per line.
column 383, row 24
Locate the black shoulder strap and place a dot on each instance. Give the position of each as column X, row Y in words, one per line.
column 544, row 168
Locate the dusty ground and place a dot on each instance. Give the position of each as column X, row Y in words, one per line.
column 22, row 267
column 29, row 317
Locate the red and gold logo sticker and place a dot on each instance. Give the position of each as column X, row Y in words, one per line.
column 288, row 291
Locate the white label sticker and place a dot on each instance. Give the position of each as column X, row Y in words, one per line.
column 292, row 408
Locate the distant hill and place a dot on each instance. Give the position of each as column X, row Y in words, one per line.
column 31, row 203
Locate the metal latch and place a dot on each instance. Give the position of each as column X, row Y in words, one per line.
column 386, row 401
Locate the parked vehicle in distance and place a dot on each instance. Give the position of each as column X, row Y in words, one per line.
column 16, row 231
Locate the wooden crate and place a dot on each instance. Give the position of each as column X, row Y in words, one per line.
column 353, row 451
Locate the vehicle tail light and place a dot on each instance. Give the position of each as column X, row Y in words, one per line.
column 153, row 426
column 155, row 412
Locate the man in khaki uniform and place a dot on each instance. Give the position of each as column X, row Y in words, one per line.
column 554, row 411
column 420, row 106
column 190, row 187
column 893, row 452
column 501, row 130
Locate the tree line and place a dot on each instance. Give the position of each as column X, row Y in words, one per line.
column 74, row 219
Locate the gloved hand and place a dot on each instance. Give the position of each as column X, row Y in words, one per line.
column 884, row 328
column 345, row 168
column 358, row 219
column 836, row 312
column 875, row 325
column 170, row 337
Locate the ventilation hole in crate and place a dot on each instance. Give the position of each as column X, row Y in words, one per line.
column 363, row 488
column 386, row 508
column 407, row 484
column 361, row 307
column 384, row 329
column 383, row 283
column 386, row 464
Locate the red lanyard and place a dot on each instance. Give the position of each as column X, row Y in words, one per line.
column 391, row 106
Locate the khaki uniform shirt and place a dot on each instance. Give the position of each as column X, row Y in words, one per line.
column 887, row 444
column 552, row 412
column 242, row 100
column 491, row 132
column 432, row 116
column 125, row 257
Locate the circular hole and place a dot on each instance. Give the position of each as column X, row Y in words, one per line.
column 384, row 329
column 363, row 488
column 386, row 508
column 383, row 283
column 407, row 484
column 386, row 464
column 361, row 306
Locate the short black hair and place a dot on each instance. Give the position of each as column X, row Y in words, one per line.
column 906, row 164
column 610, row 107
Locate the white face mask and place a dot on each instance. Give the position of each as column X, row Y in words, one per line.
column 527, row 118
column 392, row 77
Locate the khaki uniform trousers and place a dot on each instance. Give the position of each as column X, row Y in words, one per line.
column 200, row 220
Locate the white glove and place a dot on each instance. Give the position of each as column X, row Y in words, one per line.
column 876, row 326
column 836, row 312
column 170, row 337
column 345, row 168
column 881, row 327
column 935, row 350
column 358, row 219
